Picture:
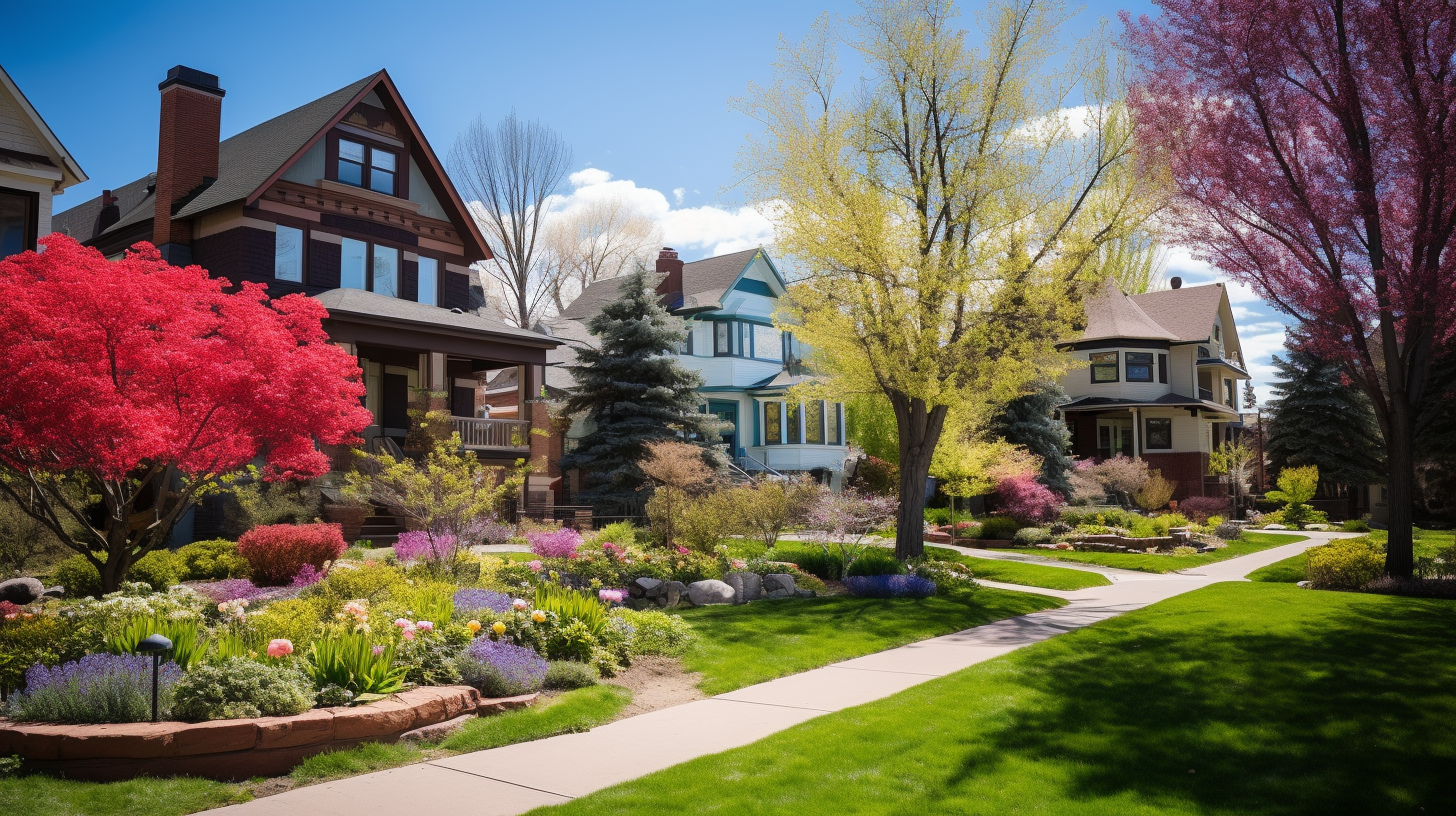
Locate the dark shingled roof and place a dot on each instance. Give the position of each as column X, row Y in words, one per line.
column 369, row 304
column 245, row 161
column 705, row 283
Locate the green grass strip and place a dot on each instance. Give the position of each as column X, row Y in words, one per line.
column 1036, row 575
column 1249, row 543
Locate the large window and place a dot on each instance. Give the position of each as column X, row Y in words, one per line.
column 354, row 265
column 773, row 423
column 288, row 254
column 1159, row 434
column 386, row 270
column 367, row 166
column 1229, row 394
column 18, row 212
column 814, row 422
column 767, row 345
column 792, row 423
column 1139, row 366
column 1104, row 366
column 429, row 281
column 722, row 337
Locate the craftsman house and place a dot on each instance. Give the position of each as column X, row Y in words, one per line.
column 344, row 200
column 1160, row 380
column 746, row 363
column 34, row 167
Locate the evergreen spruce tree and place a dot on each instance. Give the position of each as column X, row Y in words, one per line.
column 634, row 392
column 1028, row 421
column 1315, row 419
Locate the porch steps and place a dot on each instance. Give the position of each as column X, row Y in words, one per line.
column 381, row 529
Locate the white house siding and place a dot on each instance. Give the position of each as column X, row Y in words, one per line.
column 1078, row 382
column 16, row 132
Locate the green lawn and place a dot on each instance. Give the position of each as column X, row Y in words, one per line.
column 1237, row 699
column 1020, row 572
column 742, row 645
column 559, row 714
column 1249, row 543
column 1291, row 570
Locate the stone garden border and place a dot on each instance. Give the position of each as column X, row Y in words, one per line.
column 235, row 749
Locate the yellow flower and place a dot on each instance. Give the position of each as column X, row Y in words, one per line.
column 498, row 627
column 473, row 626
column 538, row 616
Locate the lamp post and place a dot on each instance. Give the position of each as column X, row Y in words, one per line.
column 154, row 645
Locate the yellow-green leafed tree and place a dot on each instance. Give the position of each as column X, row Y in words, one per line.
column 947, row 215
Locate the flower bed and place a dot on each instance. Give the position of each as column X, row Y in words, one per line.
column 236, row 749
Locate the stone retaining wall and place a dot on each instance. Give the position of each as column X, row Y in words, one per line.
column 235, row 749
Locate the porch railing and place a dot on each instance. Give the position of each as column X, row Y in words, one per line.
column 493, row 433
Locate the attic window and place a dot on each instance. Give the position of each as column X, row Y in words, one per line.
column 367, row 166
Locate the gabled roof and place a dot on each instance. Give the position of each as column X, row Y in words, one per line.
column 360, row 303
column 56, row 153
column 252, row 160
column 595, row 297
column 1113, row 315
column 1188, row 313
column 705, row 283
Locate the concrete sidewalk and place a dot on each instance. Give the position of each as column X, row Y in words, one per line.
column 516, row 778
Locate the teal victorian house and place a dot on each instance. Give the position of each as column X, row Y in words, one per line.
column 747, row 365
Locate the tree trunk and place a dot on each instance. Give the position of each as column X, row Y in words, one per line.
column 910, row 526
column 1400, row 490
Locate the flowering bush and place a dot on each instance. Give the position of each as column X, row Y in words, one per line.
column 890, row 586
column 471, row 602
column 1199, row 508
column 490, row 531
column 277, row 552
column 231, row 589
column 239, row 687
column 501, row 669
column 418, row 545
column 560, row 543
column 307, row 576
column 98, row 688
column 1027, row 500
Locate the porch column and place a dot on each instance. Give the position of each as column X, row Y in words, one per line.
column 437, row 371
column 528, row 387
column 1136, row 448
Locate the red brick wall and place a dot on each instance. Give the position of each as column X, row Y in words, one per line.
column 186, row 154
column 1187, row 469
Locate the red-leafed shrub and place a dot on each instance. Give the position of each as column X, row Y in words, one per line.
column 278, row 551
column 1199, row 508
column 1027, row 500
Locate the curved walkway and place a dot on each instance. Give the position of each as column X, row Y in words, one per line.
column 516, row 778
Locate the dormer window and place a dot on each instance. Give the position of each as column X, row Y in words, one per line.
column 367, row 166
column 1203, row 352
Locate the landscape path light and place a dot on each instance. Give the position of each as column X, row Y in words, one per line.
column 154, row 645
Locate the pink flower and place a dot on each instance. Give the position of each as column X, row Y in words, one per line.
column 280, row 647
column 409, row 634
column 682, row 550
column 403, row 623
column 425, row 626
column 535, row 566
column 610, row 595
column 739, row 563
column 377, row 651
column 520, row 603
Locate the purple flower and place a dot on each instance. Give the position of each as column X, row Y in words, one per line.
column 231, row 589
column 501, row 669
column 98, row 688
column 417, row 545
column 889, row 586
column 489, row 531
column 468, row 602
column 555, row 544
column 307, row 576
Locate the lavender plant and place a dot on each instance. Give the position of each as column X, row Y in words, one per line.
column 469, row 603
column 501, row 669
column 98, row 688
column 889, row 586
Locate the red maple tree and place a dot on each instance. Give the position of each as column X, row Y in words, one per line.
column 1313, row 148
column 129, row 387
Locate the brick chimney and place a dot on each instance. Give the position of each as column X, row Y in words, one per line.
column 187, row 149
column 671, row 269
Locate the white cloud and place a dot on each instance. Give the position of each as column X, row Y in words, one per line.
column 1074, row 122
column 707, row 230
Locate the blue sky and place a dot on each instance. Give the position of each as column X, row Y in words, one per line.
column 641, row 90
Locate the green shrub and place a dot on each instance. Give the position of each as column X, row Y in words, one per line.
column 1358, row 525
column 621, row 533
column 371, row 581
column 565, row 675
column 875, row 561
column 1349, row 563
column 240, row 687
column 187, row 649
column 157, row 569
column 348, row 660
column 212, row 560
column 571, row 604
column 816, row 562
column 937, row 515
column 1031, row 536
column 657, row 633
column 432, row 658
column 78, row 576
column 295, row 619
column 999, row 528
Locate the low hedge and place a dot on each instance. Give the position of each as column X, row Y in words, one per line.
column 1349, row 563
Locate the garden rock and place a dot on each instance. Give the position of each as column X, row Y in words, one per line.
column 747, row 586
column 671, row 594
column 643, row 588
column 21, row 591
column 778, row 585
column 1275, row 527
column 439, row 730
column 706, row 593
column 804, row 593
column 54, row 592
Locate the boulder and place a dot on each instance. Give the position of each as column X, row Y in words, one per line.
column 55, row 592
column 747, row 586
column 639, row 587
column 705, row 593
column 804, row 593
column 778, row 585
column 671, row 594
column 439, row 730
column 21, row 591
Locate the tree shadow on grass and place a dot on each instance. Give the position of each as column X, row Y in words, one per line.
column 1300, row 703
